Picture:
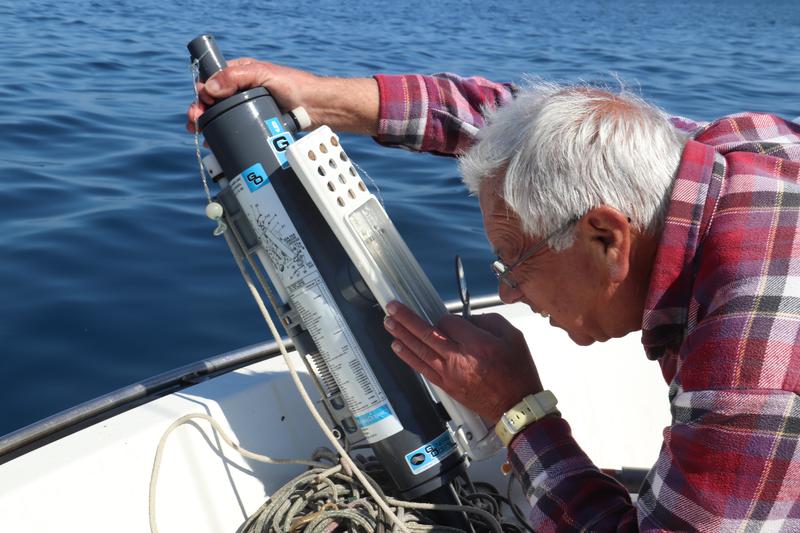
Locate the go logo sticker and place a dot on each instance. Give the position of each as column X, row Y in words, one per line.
column 431, row 454
column 255, row 177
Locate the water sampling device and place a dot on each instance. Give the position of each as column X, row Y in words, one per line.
column 335, row 260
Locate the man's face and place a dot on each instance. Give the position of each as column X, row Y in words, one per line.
column 574, row 286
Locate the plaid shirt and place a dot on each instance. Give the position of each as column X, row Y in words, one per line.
column 722, row 317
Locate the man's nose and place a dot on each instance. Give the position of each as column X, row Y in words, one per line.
column 508, row 294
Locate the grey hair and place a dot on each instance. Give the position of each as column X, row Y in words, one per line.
column 567, row 149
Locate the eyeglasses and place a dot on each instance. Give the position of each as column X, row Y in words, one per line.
column 503, row 270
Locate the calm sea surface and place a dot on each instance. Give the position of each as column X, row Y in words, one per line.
column 109, row 273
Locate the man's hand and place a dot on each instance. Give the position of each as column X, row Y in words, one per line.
column 345, row 104
column 483, row 363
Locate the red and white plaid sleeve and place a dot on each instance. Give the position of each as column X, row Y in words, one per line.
column 442, row 113
column 439, row 114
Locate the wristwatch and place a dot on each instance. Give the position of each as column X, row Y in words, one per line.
column 532, row 408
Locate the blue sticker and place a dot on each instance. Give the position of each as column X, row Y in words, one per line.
column 431, row 454
column 274, row 125
column 279, row 140
column 255, row 177
column 376, row 415
column 279, row 143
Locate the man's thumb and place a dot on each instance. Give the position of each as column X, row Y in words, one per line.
column 213, row 87
column 232, row 80
column 493, row 323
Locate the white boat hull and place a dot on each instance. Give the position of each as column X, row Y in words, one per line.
column 96, row 479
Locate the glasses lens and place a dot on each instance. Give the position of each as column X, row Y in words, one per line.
column 499, row 268
column 501, row 271
column 462, row 281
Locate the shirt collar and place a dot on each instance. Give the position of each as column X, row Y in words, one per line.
column 689, row 213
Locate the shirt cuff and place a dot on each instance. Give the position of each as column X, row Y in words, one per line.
column 544, row 453
column 403, row 112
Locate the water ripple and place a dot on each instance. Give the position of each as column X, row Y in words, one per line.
column 110, row 273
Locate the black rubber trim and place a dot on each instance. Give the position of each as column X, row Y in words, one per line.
column 89, row 413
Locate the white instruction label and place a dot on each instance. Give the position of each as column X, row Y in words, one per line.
column 312, row 299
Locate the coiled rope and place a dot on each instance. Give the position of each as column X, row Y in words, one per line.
column 328, row 497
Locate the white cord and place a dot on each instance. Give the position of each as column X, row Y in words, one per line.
column 345, row 458
column 245, row 453
column 195, row 70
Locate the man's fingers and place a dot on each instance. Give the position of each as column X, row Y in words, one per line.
column 195, row 110
column 430, row 355
column 415, row 362
column 193, row 114
column 202, row 95
column 223, row 80
column 240, row 61
column 462, row 331
column 419, row 329
column 234, row 79
column 241, row 73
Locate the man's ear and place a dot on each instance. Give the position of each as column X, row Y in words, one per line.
column 607, row 232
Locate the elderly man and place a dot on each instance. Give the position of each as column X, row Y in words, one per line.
column 609, row 217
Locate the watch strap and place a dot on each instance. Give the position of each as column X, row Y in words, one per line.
column 532, row 408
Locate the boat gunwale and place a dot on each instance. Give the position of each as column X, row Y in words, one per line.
column 69, row 421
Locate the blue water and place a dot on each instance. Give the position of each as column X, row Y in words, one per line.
column 109, row 272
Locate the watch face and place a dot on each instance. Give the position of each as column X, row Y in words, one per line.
column 509, row 423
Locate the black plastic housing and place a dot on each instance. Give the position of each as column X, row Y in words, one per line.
column 235, row 131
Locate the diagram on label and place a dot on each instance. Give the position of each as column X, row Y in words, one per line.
column 283, row 246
